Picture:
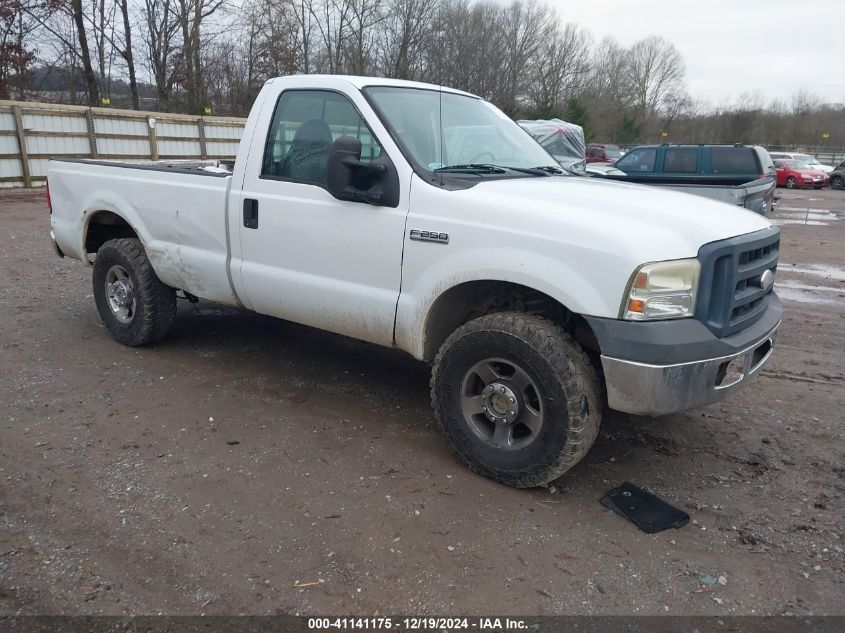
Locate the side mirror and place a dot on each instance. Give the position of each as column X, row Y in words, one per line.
column 348, row 178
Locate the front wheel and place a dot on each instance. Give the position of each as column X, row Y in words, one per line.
column 135, row 306
column 837, row 182
column 517, row 398
column 791, row 183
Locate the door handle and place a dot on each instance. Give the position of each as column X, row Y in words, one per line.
column 250, row 213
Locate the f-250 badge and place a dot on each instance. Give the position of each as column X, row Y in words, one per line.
column 429, row 236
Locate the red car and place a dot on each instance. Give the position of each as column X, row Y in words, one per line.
column 598, row 153
column 793, row 174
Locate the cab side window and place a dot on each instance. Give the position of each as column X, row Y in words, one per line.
column 638, row 160
column 681, row 160
column 304, row 126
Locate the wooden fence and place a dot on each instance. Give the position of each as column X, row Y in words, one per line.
column 32, row 133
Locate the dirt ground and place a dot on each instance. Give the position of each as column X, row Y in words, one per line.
column 249, row 465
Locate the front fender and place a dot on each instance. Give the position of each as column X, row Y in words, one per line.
column 548, row 275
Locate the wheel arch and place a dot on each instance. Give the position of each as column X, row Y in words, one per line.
column 471, row 299
column 106, row 215
column 102, row 225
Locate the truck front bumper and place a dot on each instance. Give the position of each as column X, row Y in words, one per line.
column 647, row 386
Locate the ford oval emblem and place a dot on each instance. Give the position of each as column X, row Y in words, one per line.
column 767, row 279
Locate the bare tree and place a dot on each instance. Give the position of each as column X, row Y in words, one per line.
column 332, row 19
column 364, row 17
column 657, row 74
column 192, row 16
column 406, row 29
column 525, row 27
column 85, row 54
column 16, row 54
column 560, row 69
column 126, row 53
column 162, row 49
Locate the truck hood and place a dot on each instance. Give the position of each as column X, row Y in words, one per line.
column 618, row 212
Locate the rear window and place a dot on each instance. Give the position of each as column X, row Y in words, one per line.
column 733, row 160
column 765, row 160
column 683, row 160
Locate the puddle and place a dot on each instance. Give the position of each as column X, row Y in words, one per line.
column 806, row 222
column 816, row 270
column 781, row 207
column 804, row 296
column 803, row 211
column 798, row 215
column 798, row 292
column 811, row 215
column 797, row 285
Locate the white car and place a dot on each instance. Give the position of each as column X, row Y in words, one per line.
column 811, row 161
column 539, row 297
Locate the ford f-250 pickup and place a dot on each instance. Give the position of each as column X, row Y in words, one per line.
column 422, row 218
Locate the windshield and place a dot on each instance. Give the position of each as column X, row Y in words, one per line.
column 474, row 132
column 797, row 164
column 803, row 158
column 614, row 153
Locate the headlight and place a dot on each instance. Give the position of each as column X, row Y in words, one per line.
column 663, row 290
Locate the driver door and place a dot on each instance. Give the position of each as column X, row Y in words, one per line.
column 306, row 256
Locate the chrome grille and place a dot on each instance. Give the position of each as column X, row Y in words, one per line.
column 731, row 294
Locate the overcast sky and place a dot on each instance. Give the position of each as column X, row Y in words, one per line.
column 733, row 46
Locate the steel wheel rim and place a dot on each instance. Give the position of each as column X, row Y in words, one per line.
column 120, row 294
column 501, row 403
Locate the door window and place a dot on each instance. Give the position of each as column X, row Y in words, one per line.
column 304, row 126
column 638, row 160
column 681, row 160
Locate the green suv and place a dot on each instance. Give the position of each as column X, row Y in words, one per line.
column 696, row 164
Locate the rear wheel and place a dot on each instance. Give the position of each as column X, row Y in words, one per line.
column 791, row 183
column 135, row 306
column 837, row 182
column 517, row 398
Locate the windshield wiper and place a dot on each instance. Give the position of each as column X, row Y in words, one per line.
column 487, row 168
column 474, row 167
column 552, row 169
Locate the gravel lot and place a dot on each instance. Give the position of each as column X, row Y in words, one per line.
column 249, row 465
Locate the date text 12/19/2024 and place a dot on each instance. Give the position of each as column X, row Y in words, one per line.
column 417, row 624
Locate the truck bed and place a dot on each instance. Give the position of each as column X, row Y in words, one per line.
column 178, row 211
column 756, row 195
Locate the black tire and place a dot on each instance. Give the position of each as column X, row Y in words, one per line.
column 566, row 387
column 837, row 182
column 154, row 308
column 791, row 182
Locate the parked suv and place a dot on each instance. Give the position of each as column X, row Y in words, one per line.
column 597, row 153
column 704, row 164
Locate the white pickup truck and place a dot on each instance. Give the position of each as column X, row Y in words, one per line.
column 422, row 218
